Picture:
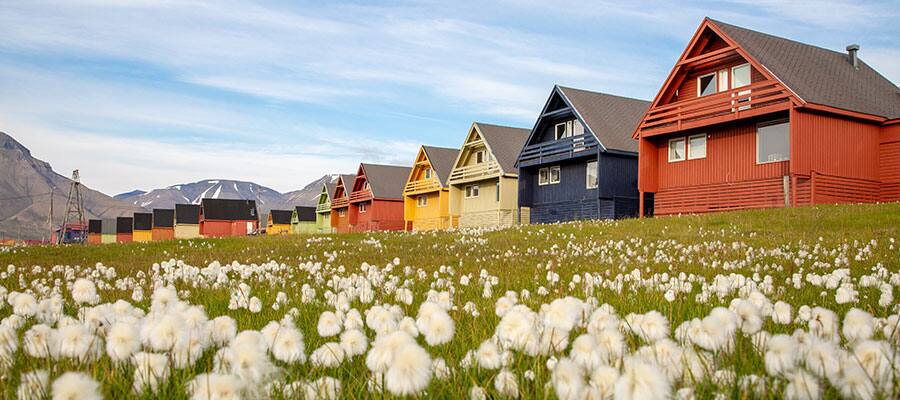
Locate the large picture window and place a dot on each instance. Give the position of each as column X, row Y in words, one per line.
column 740, row 76
column 676, row 150
column 591, row 175
column 706, row 84
column 773, row 142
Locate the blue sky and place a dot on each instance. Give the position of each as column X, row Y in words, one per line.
column 146, row 94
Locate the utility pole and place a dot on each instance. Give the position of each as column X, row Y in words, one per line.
column 73, row 221
column 50, row 217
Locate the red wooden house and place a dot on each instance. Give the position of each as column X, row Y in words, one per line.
column 228, row 217
column 376, row 201
column 340, row 204
column 750, row 120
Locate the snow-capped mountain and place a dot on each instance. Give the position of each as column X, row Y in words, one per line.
column 192, row 193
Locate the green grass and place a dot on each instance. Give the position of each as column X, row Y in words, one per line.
column 520, row 257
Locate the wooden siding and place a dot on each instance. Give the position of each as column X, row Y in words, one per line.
column 142, row 236
column 323, row 222
column 736, row 195
column 889, row 162
column 124, row 237
column 730, row 158
column 107, row 238
column 340, row 224
column 278, row 229
column 94, row 238
column 380, row 215
column 833, row 145
column 304, row 228
column 163, row 234
column 187, row 231
column 219, row 228
column 434, row 215
column 485, row 210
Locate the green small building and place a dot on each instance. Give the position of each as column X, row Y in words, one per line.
column 323, row 205
column 303, row 220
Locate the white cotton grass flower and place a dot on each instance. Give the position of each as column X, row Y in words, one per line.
column 488, row 355
column 875, row 357
column 822, row 358
column 329, row 355
column 150, row 370
column 434, row 322
column 381, row 355
column 750, row 317
column 802, row 386
column 642, row 380
column 410, row 371
column 507, row 384
column 324, row 388
column 75, row 386
column 567, row 380
column 329, row 324
column 288, row 346
column 216, row 386
column 477, row 393
column 34, row 385
column 781, row 354
column 84, row 292
column 854, row 382
column 77, row 342
column 40, row 341
column 823, row 323
column 222, row 330
column 602, row 382
column 586, row 353
column 858, row 325
column 122, row 340
column 441, row 370
column 354, row 342
column 781, row 313
column 255, row 305
column 23, row 304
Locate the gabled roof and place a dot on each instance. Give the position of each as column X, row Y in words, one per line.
column 386, row 181
column 163, row 217
column 95, row 226
column 281, row 217
column 441, row 160
column 229, row 210
column 124, row 225
column 108, row 226
column 143, row 221
column 305, row 213
column 330, row 184
column 818, row 75
column 346, row 181
column 187, row 214
column 504, row 143
column 610, row 118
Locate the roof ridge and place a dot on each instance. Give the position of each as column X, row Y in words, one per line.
column 779, row 37
column 603, row 93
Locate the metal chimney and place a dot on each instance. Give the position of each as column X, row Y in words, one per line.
column 851, row 52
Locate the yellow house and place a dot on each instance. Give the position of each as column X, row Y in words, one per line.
column 142, row 231
column 426, row 197
column 187, row 221
column 279, row 222
column 483, row 183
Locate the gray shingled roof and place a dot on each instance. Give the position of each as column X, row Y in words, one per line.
column 505, row 143
column 386, row 181
column 348, row 184
column 818, row 75
column 441, row 159
column 330, row 184
column 611, row 118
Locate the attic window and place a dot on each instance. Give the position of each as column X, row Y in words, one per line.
column 568, row 129
column 479, row 156
column 706, row 84
column 363, row 207
column 740, row 76
column 428, row 173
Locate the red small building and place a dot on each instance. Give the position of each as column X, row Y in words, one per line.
column 376, row 201
column 340, row 204
column 124, row 229
column 750, row 120
column 228, row 217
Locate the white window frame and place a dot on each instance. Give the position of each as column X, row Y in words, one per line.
column 479, row 156
column 715, row 81
column 556, row 134
column 422, row 200
column 342, row 212
column 428, row 173
column 722, row 86
column 576, row 122
column 366, row 186
column 749, row 71
column 363, row 208
column 546, row 172
column 472, row 191
column 587, row 175
column 771, row 123
column 687, row 144
column 558, row 175
column 683, row 146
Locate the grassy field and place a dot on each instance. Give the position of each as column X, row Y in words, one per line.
column 682, row 267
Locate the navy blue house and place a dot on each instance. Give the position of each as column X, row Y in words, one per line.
column 580, row 161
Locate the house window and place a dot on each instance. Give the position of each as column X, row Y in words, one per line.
column 543, row 176
column 472, row 191
column 577, row 128
column 723, row 80
column 740, row 76
column 554, row 174
column 773, row 142
column 479, row 156
column 421, row 201
column 696, row 147
column 497, row 192
column 561, row 130
column 366, row 186
column 566, row 129
column 706, row 84
column 342, row 212
column 591, row 175
column 363, row 207
column 676, row 149
column 428, row 173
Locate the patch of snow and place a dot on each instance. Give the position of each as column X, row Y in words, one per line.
column 235, row 188
column 218, row 191
column 146, row 203
column 213, row 182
